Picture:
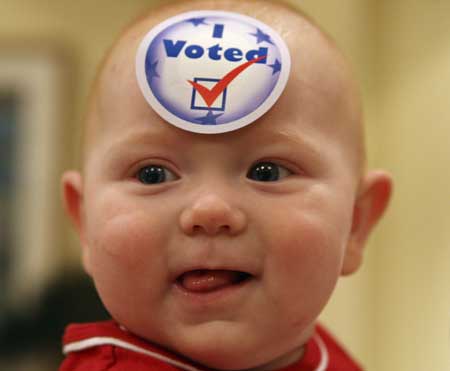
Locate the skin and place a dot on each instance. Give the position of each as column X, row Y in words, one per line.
column 295, row 236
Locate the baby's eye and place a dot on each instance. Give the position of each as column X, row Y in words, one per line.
column 155, row 174
column 267, row 172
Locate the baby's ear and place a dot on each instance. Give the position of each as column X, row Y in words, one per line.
column 72, row 190
column 371, row 202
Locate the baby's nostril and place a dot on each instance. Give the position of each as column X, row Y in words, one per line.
column 197, row 228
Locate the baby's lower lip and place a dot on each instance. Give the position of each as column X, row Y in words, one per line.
column 206, row 281
column 209, row 288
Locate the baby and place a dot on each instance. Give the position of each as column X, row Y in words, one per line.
column 214, row 240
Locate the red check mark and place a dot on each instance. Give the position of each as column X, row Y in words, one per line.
column 210, row 95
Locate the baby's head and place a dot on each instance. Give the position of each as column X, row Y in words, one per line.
column 226, row 247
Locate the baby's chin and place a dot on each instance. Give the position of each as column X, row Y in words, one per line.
column 225, row 358
column 238, row 358
column 229, row 344
column 222, row 352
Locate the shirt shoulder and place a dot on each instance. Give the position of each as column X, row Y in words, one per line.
column 339, row 358
column 105, row 346
column 324, row 353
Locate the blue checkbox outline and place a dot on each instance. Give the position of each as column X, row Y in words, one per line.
column 199, row 108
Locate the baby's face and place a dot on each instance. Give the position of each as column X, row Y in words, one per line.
column 221, row 247
column 224, row 248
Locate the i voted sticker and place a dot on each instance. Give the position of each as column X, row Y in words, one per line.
column 212, row 71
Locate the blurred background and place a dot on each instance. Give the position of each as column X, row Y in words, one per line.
column 393, row 315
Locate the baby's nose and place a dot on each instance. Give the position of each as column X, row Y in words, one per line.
column 212, row 215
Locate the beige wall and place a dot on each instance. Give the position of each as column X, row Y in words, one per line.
column 413, row 259
column 395, row 313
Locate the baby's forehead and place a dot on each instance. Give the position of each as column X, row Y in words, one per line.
column 320, row 90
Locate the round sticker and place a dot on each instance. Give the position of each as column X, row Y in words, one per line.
column 212, row 71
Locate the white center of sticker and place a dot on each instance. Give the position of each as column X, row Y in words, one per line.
column 212, row 71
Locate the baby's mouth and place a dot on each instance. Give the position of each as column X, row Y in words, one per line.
column 205, row 281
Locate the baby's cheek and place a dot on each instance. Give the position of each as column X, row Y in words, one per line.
column 126, row 259
column 305, row 239
column 129, row 237
column 305, row 260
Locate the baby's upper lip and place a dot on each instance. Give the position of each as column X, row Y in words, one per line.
column 191, row 267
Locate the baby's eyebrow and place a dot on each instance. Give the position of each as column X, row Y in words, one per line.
column 293, row 139
column 144, row 136
column 135, row 140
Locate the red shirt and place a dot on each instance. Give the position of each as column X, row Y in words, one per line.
column 105, row 346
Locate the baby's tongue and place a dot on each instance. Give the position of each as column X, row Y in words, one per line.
column 208, row 280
